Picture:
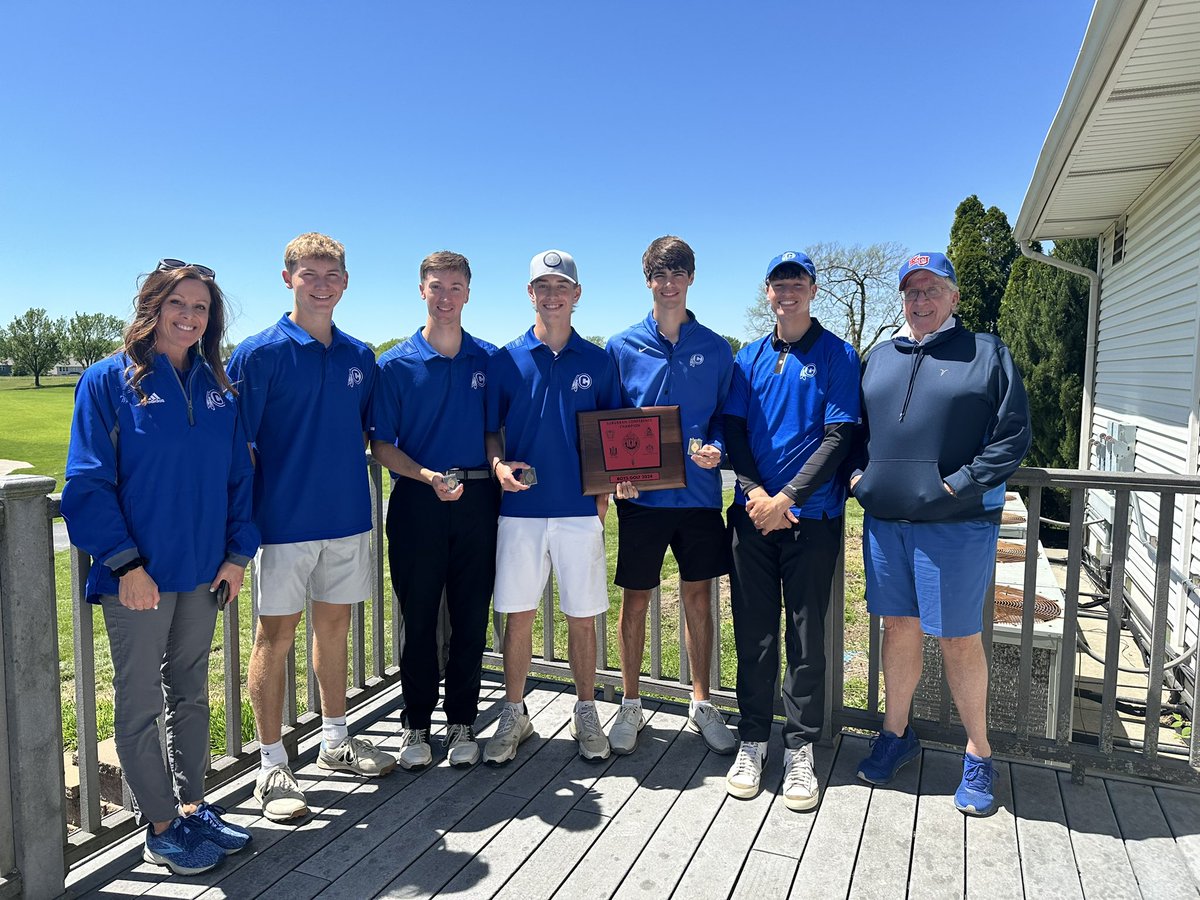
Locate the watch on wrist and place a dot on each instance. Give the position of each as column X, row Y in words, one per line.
column 137, row 562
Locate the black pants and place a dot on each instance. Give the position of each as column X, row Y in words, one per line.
column 801, row 560
column 434, row 545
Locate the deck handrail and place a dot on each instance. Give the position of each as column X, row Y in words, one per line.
column 34, row 857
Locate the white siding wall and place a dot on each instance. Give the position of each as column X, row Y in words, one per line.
column 1146, row 371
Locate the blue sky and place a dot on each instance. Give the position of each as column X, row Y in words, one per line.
column 215, row 132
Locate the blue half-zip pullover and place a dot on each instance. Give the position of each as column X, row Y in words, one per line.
column 694, row 373
column 951, row 408
column 169, row 480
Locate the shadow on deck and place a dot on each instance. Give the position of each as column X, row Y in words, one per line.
column 658, row 823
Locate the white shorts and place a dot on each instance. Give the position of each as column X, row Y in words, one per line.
column 339, row 571
column 527, row 548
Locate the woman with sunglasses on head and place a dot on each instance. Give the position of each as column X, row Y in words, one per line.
column 159, row 492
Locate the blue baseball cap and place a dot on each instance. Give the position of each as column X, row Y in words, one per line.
column 792, row 256
column 937, row 263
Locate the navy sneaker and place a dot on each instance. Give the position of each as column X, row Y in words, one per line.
column 181, row 848
column 208, row 822
column 888, row 753
column 974, row 794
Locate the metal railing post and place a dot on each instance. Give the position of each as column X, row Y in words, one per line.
column 32, row 709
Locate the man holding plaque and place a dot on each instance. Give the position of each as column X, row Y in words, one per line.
column 536, row 385
column 792, row 409
column 671, row 359
column 427, row 426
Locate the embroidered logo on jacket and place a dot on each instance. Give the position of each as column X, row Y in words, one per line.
column 355, row 378
column 582, row 382
column 809, row 371
column 696, row 360
column 478, row 380
column 213, row 399
column 154, row 398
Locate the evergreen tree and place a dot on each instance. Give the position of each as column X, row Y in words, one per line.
column 982, row 249
column 1043, row 320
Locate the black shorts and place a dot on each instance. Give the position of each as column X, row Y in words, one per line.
column 695, row 535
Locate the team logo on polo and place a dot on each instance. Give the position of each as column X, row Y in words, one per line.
column 809, row 371
column 213, row 399
column 355, row 377
column 582, row 382
column 920, row 260
column 478, row 380
column 696, row 360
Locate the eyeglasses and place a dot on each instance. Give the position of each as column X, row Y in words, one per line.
column 169, row 265
column 936, row 292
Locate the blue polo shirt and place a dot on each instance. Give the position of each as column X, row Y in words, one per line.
column 432, row 406
column 534, row 393
column 788, row 394
column 305, row 407
column 693, row 374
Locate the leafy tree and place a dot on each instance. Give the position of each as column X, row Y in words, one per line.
column 982, row 249
column 92, row 336
column 387, row 345
column 34, row 342
column 597, row 339
column 735, row 344
column 1043, row 320
column 856, row 294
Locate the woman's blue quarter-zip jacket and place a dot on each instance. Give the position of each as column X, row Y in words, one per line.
column 169, row 480
column 951, row 409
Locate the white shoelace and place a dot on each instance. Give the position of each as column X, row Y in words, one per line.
column 589, row 721
column 748, row 762
column 457, row 733
column 415, row 736
column 799, row 772
column 508, row 721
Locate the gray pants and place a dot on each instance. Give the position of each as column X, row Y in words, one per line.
column 160, row 659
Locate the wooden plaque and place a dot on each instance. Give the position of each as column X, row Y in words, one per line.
column 643, row 445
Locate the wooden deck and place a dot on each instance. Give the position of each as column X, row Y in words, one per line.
column 658, row 823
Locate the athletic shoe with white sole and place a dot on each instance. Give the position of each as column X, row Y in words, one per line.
column 357, row 755
column 514, row 728
column 461, row 747
column 415, row 752
column 800, row 788
column 745, row 775
column 585, row 728
column 280, row 795
column 623, row 735
column 181, row 848
column 707, row 719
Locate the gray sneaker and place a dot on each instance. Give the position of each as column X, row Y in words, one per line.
column 585, row 728
column 707, row 720
column 357, row 755
column 514, row 728
column 415, row 752
column 281, row 798
column 800, row 788
column 623, row 735
column 461, row 748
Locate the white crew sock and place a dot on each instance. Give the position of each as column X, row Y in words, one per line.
column 634, row 701
column 273, row 755
column 333, row 731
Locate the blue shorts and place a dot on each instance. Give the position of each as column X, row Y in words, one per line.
column 935, row 571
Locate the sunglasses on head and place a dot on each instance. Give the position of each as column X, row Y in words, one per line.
column 168, row 265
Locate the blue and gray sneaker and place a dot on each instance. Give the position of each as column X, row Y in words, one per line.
column 888, row 753
column 974, row 794
column 208, row 822
column 181, row 848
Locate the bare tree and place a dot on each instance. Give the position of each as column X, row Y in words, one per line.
column 856, row 296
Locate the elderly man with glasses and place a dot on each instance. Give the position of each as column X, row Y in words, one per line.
column 945, row 423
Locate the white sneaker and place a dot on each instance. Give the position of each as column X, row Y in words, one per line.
column 623, row 735
column 461, row 749
column 358, row 755
column 745, row 775
column 707, row 719
column 800, row 788
column 415, row 752
column 514, row 728
column 280, row 795
column 585, row 728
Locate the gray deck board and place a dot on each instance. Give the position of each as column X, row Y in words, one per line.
column 993, row 854
column 1161, row 870
column 1047, row 856
column 827, row 866
column 717, row 862
column 1100, row 855
column 938, row 867
column 1182, row 809
column 658, row 823
column 881, row 869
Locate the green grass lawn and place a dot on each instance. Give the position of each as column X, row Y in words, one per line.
column 37, row 423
